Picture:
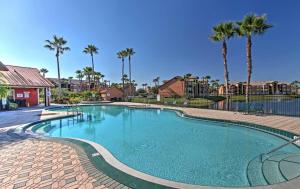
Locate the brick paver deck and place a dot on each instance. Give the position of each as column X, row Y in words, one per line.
column 48, row 164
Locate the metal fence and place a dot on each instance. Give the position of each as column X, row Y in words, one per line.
column 286, row 105
column 265, row 104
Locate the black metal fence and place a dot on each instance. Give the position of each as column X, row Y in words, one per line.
column 287, row 105
column 261, row 104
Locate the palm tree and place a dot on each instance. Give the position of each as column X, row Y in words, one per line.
column 223, row 32
column 188, row 75
column 155, row 82
column 206, row 78
column 125, row 79
column 98, row 77
column 295, row 85
column 144, row 85
column 130, row 52
column 57, row 45
column 91, row 49
column 102, row 77
column 44, row 71
column 122, row 54
column 249, row 26
column 215, row 86
column 88, row 71
column 79, row 76
column 157, row 79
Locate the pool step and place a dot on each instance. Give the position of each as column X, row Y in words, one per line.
column 274, row 169
column 254, row 173
column 290, row 167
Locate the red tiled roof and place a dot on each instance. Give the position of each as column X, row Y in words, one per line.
column 170, row 82
column 18, row 76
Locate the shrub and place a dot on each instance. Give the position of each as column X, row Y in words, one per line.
column 74, row 100
column 13, row 106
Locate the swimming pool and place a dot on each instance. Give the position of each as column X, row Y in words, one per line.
column 162, row 144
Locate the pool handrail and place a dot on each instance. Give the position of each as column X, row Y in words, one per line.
column 279, row 147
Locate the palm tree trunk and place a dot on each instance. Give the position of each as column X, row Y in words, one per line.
column 89, row 78
column 224, row 52
column 123, row 77
column 80, row 80
column 129, row 63
column 249, row 66
column 93, row 75
column 58, row 74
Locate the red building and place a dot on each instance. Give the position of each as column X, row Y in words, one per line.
column 25, row 84
column 111, row 93
column 172, row 88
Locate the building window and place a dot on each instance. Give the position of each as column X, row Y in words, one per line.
column 26, row 94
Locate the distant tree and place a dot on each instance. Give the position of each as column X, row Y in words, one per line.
column 295, row 83
column 188, row 75
column 215, row 85
column 249, row 26
column 125, row 78
column 88, row 71
column 91, row 50
column 79, row 76
column 57, row 45
column 156, row 81
column 44, row 71
column 144, row 85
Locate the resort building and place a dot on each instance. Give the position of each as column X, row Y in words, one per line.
column 178, row 86
column 111, row 93
column 74, row 85
column 172, row 88
column 25, row 84
column 258, row 88
column 195, row 87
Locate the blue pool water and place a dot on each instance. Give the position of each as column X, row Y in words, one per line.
column 165, row 145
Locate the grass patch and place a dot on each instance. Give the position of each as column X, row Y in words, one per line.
column 194, row 102
column 262, row 97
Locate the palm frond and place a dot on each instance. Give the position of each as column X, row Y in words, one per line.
column 49, row 47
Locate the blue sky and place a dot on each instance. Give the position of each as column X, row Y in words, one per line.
column 170, row 37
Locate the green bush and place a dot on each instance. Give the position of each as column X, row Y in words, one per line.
column 13, row 106
column 74, row 100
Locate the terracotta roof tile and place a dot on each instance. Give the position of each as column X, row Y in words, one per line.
column 18, row 76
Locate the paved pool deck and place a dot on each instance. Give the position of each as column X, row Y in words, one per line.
column 27, row 162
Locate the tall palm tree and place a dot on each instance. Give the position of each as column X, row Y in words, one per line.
column 44, row 71
column 157, row 79
column 223, row 32
column 57, row 45
column 155, row 82
column 88, row 71
column 91, row 50
column 130, row 52
column 122, row 54
column 249, row 26
column 79, row 76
